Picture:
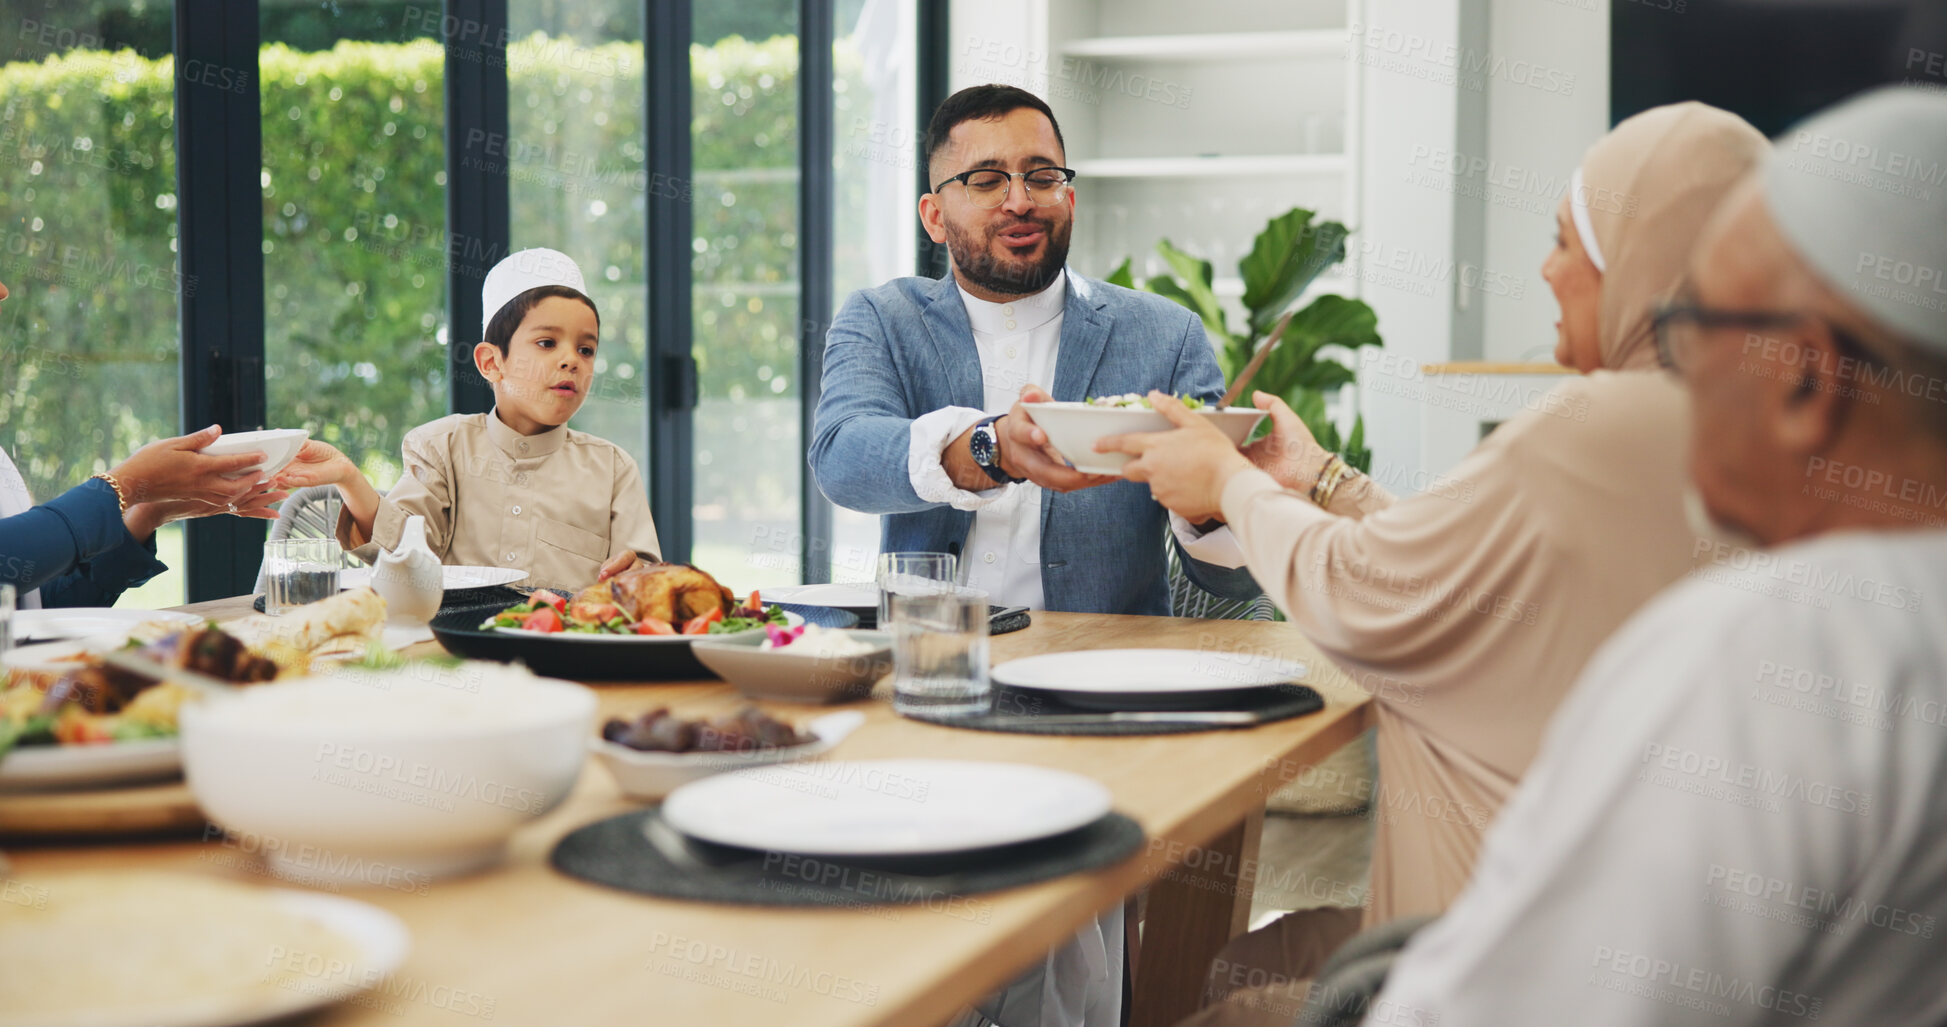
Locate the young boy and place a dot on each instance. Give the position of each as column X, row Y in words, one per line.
column 512, row 487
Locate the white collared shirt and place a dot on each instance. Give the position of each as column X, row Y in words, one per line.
column 1017, row 344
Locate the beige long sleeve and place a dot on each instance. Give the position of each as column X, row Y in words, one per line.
column 557, row 505
column 1468, row 614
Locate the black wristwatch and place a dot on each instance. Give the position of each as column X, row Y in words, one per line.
column 986, row 448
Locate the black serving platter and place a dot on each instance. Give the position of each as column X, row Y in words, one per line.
column 591, row 658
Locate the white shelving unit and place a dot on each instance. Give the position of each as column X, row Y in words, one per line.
column 1192, row 123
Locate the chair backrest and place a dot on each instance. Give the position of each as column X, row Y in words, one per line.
column 308, row 513
column 1188, row 600
column 1343, row 991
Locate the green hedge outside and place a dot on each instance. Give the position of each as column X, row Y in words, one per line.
column 355, row 246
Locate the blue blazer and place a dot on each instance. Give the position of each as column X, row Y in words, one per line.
column 906, row 348
column 75, row 549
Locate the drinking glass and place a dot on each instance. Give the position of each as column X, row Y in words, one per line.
column 939, row 651
column 299, row 571
column 907, row 573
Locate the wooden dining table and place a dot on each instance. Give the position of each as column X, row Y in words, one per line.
column 524, row 944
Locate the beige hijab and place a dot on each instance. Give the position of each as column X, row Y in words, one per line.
column 1646, row 190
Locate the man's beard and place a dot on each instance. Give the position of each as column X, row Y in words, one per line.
column 979, row 266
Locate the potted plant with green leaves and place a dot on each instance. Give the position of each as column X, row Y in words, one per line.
column 1287, row 255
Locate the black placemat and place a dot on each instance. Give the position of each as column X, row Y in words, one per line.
column 617, row 852
column 1011, row 705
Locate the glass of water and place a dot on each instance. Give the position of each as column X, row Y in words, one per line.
column 299, row 571
column 939, row 651
column 908, row 573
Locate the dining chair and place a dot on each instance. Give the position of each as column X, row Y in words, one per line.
column 308, row 513
column 1342, row 993
column 1188, row 599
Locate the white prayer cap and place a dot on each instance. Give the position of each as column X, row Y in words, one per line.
column 1860, row 191
column 518, row 272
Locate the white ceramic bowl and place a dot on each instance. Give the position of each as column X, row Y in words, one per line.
column 782, row 675
column 388, row 776
column 279, row 446
column 649, row 776
column 1073, row 428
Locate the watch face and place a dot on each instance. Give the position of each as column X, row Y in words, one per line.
column 982, row 445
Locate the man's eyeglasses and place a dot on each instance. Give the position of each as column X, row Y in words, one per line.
column 1681, row 324
column 988, row 187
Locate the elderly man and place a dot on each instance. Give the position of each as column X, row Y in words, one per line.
column 1736, row 816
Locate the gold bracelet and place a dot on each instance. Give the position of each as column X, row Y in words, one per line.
column 1335, row 473
column 120, row 496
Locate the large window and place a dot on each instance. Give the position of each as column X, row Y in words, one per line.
column 354, row 226
column 88, row 340
column 363, row 106
column 575, row 155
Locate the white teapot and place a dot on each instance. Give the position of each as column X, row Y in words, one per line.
column 409, row 577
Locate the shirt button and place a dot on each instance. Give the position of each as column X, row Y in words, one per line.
column 1012, row 352
column 989, row 558
column 1010, row 324
column 515, row 511
column 510, row 558
column 1009, row 311
column 523, row 447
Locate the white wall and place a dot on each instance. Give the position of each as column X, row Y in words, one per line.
column 1537, row 133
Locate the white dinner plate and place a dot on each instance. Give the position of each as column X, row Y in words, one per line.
column 31, row 626
column 790, row 618
column 1134, row 678
column 885, row 807
column 90, row 766
column 844, row 595
column 289, row 981
column 452, row 577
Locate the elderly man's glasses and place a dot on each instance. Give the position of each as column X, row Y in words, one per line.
column 988, row 187
column 1681, row 324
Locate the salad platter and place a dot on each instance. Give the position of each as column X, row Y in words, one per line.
column 637, row 625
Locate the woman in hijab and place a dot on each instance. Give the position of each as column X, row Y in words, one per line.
column 1470, row 610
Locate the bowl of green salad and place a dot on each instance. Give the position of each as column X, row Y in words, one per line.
column 1073, row 427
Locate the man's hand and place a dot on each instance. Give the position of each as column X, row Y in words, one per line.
column 1186, row 468
column 1289, row 453
column 621, row 562
column 1026, row 452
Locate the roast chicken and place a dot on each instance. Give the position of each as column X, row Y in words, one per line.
column 671, row 592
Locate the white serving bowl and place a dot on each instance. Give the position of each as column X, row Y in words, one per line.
column 279, row 446
column 387, row 776
column 649, row 776
column 1073, row 428
column 785, row 676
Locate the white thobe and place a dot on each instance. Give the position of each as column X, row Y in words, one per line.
column 1736, row 817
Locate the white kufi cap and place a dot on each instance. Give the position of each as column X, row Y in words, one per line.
column 1860, row 191
column 518, row 272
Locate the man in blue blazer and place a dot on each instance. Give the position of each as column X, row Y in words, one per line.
column 926, row 413
column 926, row 417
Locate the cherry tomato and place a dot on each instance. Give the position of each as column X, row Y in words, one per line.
column 755, row 604
column 547, row 618
column 654, row 626
column 545, row 596
column 701, row 625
